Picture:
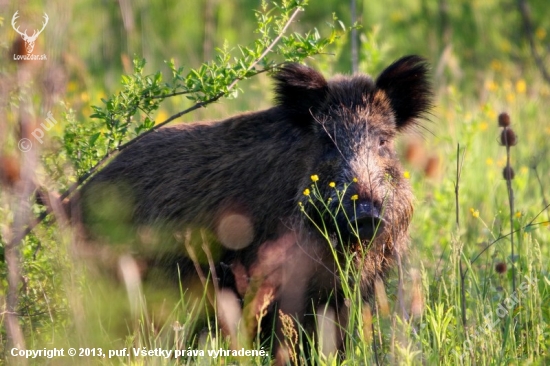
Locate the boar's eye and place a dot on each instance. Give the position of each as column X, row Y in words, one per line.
column 384, row 147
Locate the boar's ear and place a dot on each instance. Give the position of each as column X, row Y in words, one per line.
column 300, row 90
column 408, row 89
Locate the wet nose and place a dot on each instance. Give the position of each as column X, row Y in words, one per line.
column 368, row 221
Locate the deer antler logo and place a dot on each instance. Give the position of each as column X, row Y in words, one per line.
column 29, row 40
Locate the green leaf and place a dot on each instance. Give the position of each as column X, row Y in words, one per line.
column 93, row 138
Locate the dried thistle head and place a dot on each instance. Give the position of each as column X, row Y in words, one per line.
column 508, row 137
column 500, row 267
column 503, row 120
column 508, row 173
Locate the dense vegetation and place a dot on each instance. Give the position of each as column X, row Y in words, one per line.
column 468, row 294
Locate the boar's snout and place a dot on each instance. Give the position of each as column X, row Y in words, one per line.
column 366, row 221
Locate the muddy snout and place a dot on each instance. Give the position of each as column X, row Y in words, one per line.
column 365, row 221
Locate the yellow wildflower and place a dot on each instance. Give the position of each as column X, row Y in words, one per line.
column 505, row 45
column 475, row 213
column 521, row 86
column 72, row 86
column 518, row 214
column 483, row 126
column 540, row 33
column 306, row 192
column 396, row 17
column 491, row 114
column 332, row 184
column 314, row 177
column 161, row 116
column 491, row 85
column 355, row 197
column 524, row 170
column 406, row 174
column 496, row 65
column 354, row 180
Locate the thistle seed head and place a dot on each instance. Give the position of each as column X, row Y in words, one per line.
column 503, row 120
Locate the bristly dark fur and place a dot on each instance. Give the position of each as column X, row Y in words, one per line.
column 300, row 90
column 406, row 84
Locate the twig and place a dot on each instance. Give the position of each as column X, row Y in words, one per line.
column 269, row 48
column 531, row 223
column 184, row 92
column 457, row 207
column 457, row 212
column 510, row 191
column 173, row 94
column 374, row 344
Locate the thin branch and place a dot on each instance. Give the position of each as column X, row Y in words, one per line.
column 457, row 212
column 184, row 92
column 269, row 48
column 531, row 223
column 510, row 191
column 173, row 94
column 458, row 172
